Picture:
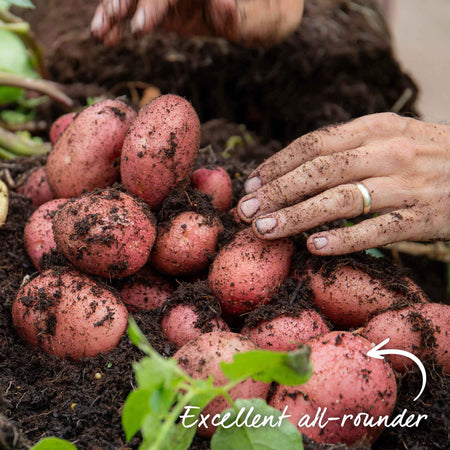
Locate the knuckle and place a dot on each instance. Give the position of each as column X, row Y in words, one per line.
column 384, row 121
column 344, row 199
column 276, row 193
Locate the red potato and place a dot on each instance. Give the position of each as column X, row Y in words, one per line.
column 69, row 315
column 201, row 357
column 59, row 125
column 87, row 155
column 285, row 333
column 106, row 232
column 215, row 182
column 36, row 187
column 38, row 234
column 349, row 296
column 179, row 325
column 185, row 245
column 160, row 148
column 145, row 291
column 345, row 381
column 249, row 271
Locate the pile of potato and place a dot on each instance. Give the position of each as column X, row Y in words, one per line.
column 111, row 232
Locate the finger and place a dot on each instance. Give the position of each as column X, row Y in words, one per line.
column 314, row 176
column 118, row 9
column 149, row 14
column 224, row 16
column 400, row 225
column 113, row 36
column 100, row 23
column 322, row 142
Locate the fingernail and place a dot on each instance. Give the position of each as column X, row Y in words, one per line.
column 252, row 185
column 250, row 207
column 116, row 6
column 266, row 225
column 320, row 242
column 97, row 22
column 138, row 21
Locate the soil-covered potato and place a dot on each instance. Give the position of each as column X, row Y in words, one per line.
column 105, row 232
column 36, row 187
column 345, row 381
column 248, row 271
column 201, row 357
column 215, row 182
column 160, row 148
column 68, row 314
column 38, row 235
column 87, row 154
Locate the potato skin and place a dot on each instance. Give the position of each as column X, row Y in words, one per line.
column 160, row 148
column 38, row 234
column 249, row 271
column 105, row 232
column 59, row 125
column 145, row 290
column 86, row 156
column 201, row 357
column 284, row 333
column 68, row 314
column 215, row 182
column 184, row 246
column 36, row 187
column 349, row 296
column 345, row 381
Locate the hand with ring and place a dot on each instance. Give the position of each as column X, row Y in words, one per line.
column 382, row 163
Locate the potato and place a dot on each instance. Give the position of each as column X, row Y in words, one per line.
column 420, row 330
column 349, row 296
column 69, row 315
column 87, row 155
column 145, row 290
column 160, row 148
column 201, row 357
column 179, row 327
column 249, row 271
column 345, row 381
column 215, row 182
column 36, row 187
column 185, row 245
column 105, row 232
column 285, row 333
column 38, row 234
column 59, row 125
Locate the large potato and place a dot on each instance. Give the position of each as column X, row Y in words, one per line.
column 201, row 358
column 249, row 271
column 69, row 315
column 160, row 148
column 87, row 154
column 106, row 232
column 345, row 381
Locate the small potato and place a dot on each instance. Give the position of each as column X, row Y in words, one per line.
column 38, row 235
column 59, row 125
column 249, row 271
column 215, row 182
column 201, row 358
column 185, row 245
column 145, row 290
column 36, row 187
column 160, row 148
column 349, row 296
column 69, row 315
column 345, row 381
column 106, row 232
column 179, row 325
column 87, row 155
column 285, row 333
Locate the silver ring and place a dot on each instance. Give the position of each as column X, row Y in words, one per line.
column 367, row 201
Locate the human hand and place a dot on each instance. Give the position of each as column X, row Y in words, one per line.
column 249, row 22
column 404, row 164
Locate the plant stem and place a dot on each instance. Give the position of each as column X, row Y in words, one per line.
column 43, row 86
column 21, row 146
column 19, row 28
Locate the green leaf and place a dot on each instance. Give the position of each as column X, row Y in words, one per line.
column 53, row 443
column 19, row 3
column 153, row 372
column 269, row 431
column 16, row 117
column 291, row 368
column 137, row 406
column 374, row 252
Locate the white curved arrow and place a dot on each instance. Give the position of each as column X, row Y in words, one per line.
column 377, row 353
